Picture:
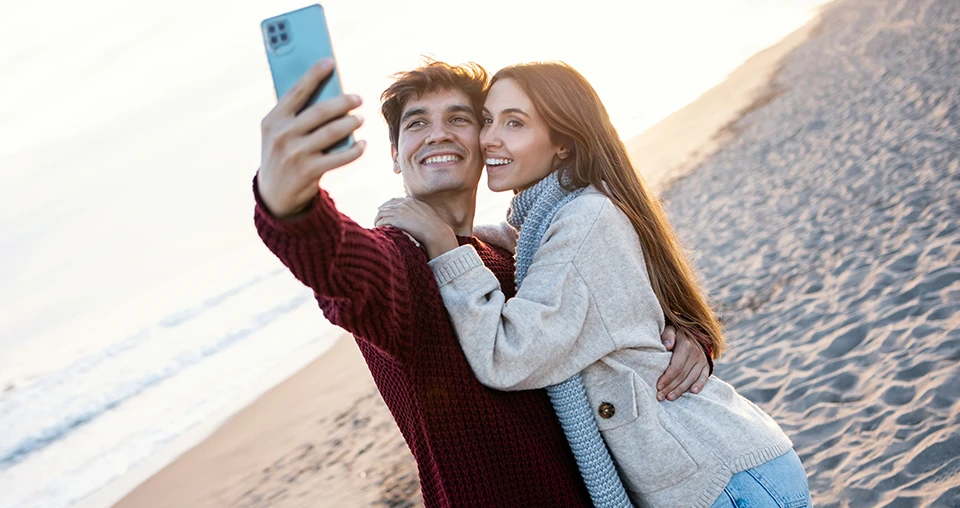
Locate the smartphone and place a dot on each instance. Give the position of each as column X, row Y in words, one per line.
column 295, row 41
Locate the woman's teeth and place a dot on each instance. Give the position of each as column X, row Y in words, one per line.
column 498, row 162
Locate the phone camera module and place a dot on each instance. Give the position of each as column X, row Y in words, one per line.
column 278, row 35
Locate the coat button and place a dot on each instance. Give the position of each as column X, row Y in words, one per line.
column 606, row 410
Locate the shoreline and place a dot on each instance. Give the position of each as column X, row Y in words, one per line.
column 226, row 462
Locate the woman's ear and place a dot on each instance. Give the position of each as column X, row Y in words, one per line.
column 563, row 153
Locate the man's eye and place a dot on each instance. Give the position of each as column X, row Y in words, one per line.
column 459, row 119
column 415, row 123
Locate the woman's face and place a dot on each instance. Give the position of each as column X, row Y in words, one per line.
column 515, row 139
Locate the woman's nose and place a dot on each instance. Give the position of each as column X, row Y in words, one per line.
column 489, row 138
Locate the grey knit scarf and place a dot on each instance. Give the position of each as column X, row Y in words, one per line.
column 532, row 211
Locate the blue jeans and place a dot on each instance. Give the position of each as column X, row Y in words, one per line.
column 779, row 483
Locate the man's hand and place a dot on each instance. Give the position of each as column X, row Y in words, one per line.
column 688, row 369
column 419, row 221
column 293, row 160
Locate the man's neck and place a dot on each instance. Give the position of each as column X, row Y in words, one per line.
column 456, row 208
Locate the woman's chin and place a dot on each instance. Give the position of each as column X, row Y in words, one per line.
column 497, row 186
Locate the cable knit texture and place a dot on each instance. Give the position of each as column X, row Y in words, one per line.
column 474, row 446
column 535, row 208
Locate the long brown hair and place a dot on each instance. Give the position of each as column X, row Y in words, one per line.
column 579, row 122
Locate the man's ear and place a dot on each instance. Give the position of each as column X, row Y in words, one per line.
column 394, row 154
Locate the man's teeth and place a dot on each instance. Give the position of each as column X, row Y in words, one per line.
column 441, row 158
column 498, row 162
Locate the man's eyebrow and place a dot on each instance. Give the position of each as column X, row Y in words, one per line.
column 461, row 108
column 413, row 112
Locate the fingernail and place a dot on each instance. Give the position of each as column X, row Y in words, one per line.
column 354, row 99
column 326, row 64
column 672, row 397
column 359, row 118
column 660, row 386
column 660, row 397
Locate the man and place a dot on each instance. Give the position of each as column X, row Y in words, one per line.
column 474, row 446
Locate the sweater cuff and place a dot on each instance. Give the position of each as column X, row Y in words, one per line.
column 302, row 224
column 706, row 351
column 454, row 263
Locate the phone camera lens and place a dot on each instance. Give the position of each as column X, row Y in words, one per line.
column 273, row 40
column 271, row 29
column 283, row 37
column 281, row 26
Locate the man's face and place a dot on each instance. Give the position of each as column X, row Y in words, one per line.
column 438, row 148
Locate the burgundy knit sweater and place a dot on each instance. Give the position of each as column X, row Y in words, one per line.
column 474, row 446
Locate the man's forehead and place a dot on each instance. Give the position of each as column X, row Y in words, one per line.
column 438, row 100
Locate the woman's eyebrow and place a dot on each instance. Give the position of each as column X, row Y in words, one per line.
column 509, row 111
column 516, row 111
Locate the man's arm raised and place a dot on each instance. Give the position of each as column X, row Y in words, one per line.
column 357, row 274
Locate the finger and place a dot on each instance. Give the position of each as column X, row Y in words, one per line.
column 669, row 376
column 701, row 381
column 331, row 133
column 672, row 389
column 669, row 337
column 385, row 218
column 688, row 381
column 294, row 100
column 391, row 202
column 676, row 371
column 324, row 112
column 322, row 163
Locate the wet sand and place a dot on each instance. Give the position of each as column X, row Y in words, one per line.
column 823, row 218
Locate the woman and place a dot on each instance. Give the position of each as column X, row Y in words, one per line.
column 599, row 272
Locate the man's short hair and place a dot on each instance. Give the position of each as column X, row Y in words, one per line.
column 470, row 78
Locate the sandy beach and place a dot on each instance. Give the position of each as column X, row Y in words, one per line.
column 817, row 190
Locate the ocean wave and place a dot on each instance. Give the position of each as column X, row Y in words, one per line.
column 51, row 407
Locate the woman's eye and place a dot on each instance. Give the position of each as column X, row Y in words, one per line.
column 487, row 121
column 514, row 123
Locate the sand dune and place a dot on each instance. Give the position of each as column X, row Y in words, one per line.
column 826, row 229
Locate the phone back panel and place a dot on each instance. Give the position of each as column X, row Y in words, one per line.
column 295, row 41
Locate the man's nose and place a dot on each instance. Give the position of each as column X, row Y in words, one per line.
column 439, row 133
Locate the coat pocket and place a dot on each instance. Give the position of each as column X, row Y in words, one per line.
column 648, row 457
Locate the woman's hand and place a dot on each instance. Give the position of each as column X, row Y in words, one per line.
column 420, row 222
column 688, row 369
